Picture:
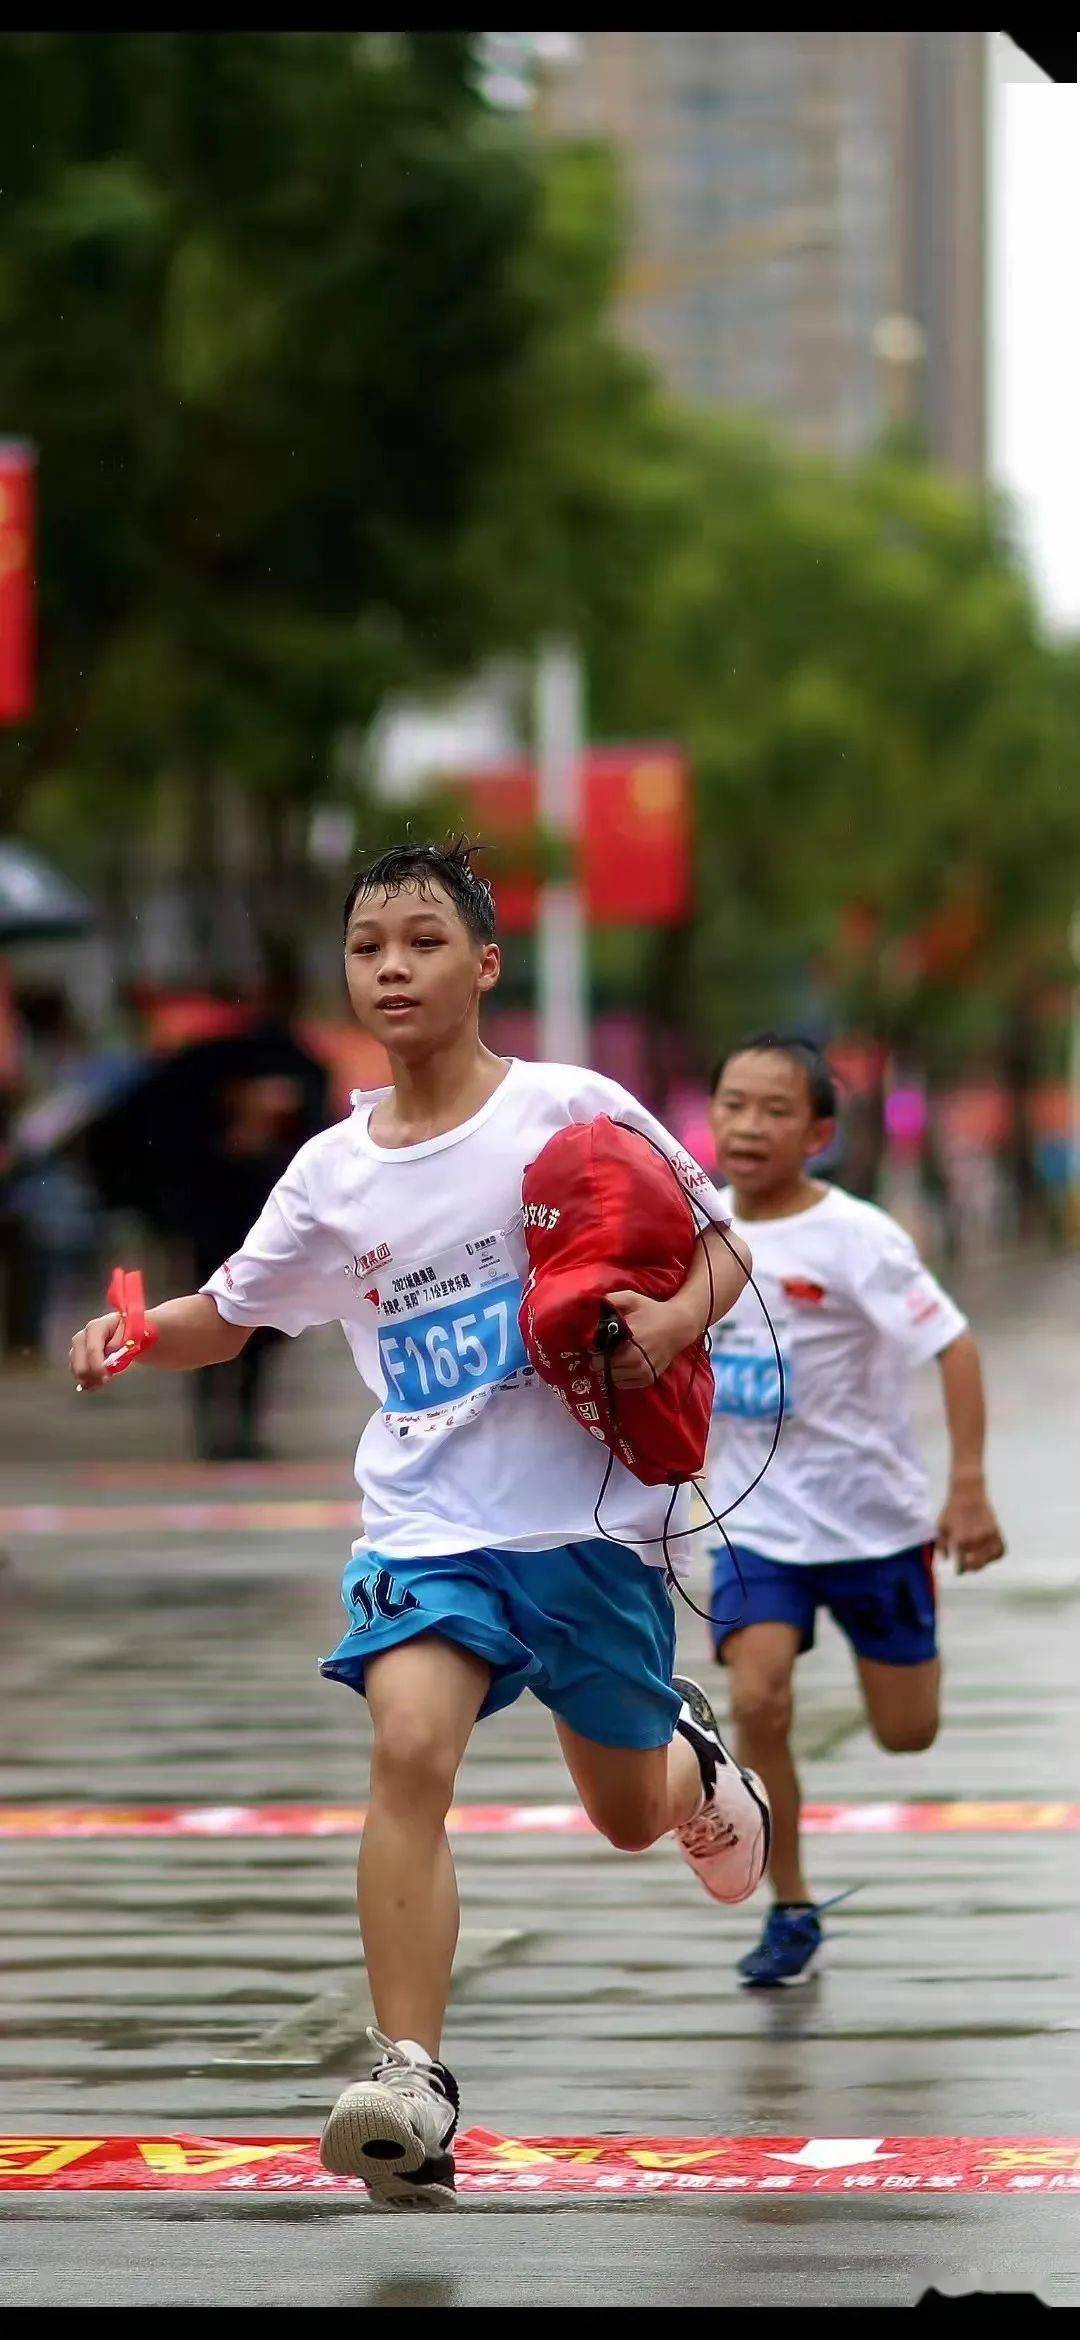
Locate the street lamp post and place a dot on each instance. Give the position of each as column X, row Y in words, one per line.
column 561, row 939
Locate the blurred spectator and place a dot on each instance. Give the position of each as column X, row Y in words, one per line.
column 234, row 1113
column 14, row 1297
column 49, row 1219
column 54, row 1044
column 51, row 1243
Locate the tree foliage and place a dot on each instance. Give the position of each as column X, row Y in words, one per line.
column 319, row 357
column 263, row 310
column 887, row 763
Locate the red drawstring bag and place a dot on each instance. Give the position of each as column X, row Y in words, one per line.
column 605, row 1212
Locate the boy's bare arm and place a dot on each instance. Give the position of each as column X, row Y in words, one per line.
column 968, row 1525
column 661, row 1329
column 190, row 1333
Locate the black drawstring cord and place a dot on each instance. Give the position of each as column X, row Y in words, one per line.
column 667, row 1537
column 716, row 1519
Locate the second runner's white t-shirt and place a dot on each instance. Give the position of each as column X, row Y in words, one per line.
column 856, row 1312
column 419, row 1252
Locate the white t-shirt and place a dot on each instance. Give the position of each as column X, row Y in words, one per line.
column 419, row 1252
column 855, row 1313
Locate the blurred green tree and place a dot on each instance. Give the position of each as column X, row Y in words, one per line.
column 267, row 301
column 886, row 750
column 318, row 353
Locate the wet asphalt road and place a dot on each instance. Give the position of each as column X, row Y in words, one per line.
column 216, row 1985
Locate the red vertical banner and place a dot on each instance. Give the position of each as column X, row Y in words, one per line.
column 637, row 845
column 637, row 835
column 18, row 479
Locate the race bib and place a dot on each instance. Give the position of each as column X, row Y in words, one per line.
column 449, row 1337
column 748, row 1386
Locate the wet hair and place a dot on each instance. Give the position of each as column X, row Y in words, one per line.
column 798, row 1050
column 449, row 866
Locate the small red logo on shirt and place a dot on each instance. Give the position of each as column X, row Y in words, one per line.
column 373, row 1259
column 372, row 1296
column 804, row 1291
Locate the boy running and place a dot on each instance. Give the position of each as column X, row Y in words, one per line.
column 480, row 1572
column 843, row 1519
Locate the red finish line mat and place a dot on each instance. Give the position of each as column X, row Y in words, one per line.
column 24, row 1822
column 488, row 2164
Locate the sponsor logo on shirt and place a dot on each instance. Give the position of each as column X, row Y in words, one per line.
column 804, row 1291
column 372, row 1294
column 226, row 1270
column 921, row 1306
column 363, row 1262
column 690, row 1174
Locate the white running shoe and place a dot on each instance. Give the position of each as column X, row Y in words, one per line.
column 727, row 1841
column 396, row 2130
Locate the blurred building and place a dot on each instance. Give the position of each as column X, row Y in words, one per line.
column 807, row 219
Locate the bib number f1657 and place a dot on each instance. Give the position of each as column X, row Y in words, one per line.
column 449, row 1336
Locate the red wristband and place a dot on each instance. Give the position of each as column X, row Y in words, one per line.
column 127, row 1295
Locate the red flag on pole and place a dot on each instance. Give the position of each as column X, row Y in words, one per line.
column 18, row 474
column 636, row 846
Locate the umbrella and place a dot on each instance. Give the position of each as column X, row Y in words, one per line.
column 37, row 904
column 156, row 1149
column 50, row 1124
column 126, row 1112
column 147, row 1125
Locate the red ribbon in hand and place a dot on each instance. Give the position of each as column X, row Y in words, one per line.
column 127, row 1295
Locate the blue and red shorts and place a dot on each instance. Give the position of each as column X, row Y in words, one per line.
column 587, row 1627
column 887, row 1608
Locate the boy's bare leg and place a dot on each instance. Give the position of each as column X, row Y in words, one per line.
column 424, row 1699
column 903, row 1704
column 761, row 1661
column 690, row 1787
column 633, row 1795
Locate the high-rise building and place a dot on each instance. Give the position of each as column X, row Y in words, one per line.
column 806, row 220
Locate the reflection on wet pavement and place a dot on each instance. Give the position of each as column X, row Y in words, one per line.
column 216, row 1983
column 133, row 1965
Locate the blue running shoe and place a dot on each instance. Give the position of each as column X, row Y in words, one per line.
column 788, row 1949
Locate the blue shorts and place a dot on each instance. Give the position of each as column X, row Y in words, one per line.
column 586, row 1627
column 887, row 1608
